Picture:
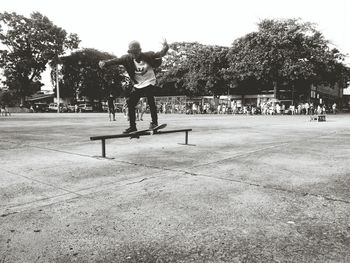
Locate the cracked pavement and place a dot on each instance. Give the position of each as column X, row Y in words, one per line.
column 248, row 189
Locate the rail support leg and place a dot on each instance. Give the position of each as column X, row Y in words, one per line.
column 186, row 138
column 103, row 148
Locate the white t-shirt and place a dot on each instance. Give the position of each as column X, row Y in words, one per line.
column 144, row 75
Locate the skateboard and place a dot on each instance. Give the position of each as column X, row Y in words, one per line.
column 137, row 134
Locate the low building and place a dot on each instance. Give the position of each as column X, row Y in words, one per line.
column 41, row 96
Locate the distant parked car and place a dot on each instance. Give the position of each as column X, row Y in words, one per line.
column 71, row 107
column 104, row 106
column 118, row 107
column 63, row 107
column 85, row 107
column 53, row 107
column 41, row 107
column 346, row 109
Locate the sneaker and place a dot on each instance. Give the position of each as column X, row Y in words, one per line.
column 130, row 129
column 152, row 125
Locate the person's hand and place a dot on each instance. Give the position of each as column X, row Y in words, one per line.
column 101, row 64
column 165, row 43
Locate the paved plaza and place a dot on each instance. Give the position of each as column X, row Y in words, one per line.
column 245, row 189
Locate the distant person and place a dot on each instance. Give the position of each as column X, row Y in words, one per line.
column 334, row 108
column 125, row 108
column 299, row 109
column 292, row 109
column 278, row 109
column 283, row 109
column 324, row 110
column 143, row 108
column 194, row 108
column 219, row 109
column 312, row 109
column 319, row 109
column 5, row 111
column 307, row 106
column 140, row 67
column 2, row 109
column 138, row 110
column 111, row 107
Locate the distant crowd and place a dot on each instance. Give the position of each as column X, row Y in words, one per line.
column 4, row 111
column 265, row 108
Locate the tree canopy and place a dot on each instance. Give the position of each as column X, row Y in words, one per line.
column 195, row 69
column 30, row 43
column 283, row 51
column 82, row 76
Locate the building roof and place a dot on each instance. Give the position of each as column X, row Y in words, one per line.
column 40, row 96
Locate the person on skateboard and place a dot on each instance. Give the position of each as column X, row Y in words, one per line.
column 140, row 67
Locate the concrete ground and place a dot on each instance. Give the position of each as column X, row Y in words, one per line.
column 247, row 189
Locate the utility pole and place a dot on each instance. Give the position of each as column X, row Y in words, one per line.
column 275, row 89
column 57, row 90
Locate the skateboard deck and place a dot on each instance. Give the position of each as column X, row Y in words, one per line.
column 137, row 134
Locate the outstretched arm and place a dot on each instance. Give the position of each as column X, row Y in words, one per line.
column 113, row 61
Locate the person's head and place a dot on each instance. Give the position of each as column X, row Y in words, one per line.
column 135, row 49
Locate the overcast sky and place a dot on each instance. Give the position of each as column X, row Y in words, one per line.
column 109, row 25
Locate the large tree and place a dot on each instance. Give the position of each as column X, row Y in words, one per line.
column 283, row 52
column 82, row 77
column 195, row 69
column 29, row 44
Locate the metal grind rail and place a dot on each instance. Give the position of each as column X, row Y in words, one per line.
column 103, row 138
